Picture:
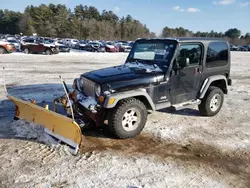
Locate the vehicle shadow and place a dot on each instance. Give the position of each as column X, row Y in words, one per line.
column 183, row 112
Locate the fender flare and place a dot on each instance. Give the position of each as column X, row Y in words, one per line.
column 127, row 94
column 208, row 82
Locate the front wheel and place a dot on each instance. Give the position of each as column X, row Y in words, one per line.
column 48, row 52
column 128, row 118
column 26, row 51
column 2, row 50
column 212, row 102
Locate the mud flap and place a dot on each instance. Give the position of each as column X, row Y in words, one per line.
column 57, row 125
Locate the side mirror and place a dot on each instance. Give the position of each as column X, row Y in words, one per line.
column 183, row 62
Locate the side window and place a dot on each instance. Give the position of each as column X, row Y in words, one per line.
column 191, row 51
column 217, row 54
column 29, row 41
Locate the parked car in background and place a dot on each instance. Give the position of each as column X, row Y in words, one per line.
column 123, row 47
column 65, row 42
column 72, row 43
column 62, row 47
column 39, row 46
column 6, row 47
column 95, row 47
column 111, row 47
column 246, row 48
column 242, row 48
column 81, row 44
column 234, row 48
column 14, row 41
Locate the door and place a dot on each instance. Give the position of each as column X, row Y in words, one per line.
column 185, row 82
column 40, row 47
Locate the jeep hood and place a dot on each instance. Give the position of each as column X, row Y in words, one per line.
column 122, row 77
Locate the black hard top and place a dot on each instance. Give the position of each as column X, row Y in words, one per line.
column 187, row 39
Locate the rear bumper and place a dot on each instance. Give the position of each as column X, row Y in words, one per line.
column 101, row 50
column 110, row 49
column 64, row 49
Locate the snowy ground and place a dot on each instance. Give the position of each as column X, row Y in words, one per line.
column 174, row 150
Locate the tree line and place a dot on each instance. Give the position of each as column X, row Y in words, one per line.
column 233, row 35
column 86, row 22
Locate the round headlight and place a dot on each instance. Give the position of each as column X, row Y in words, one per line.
column 97, row 89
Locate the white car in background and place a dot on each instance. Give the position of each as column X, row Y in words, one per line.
column 124, row 47
column 70, row 42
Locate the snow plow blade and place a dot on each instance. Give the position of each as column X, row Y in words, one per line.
column 56, row 125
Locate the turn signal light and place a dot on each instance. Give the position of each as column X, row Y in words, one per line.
column 111, row 100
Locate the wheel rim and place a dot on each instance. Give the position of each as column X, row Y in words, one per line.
column 131, row 119
column 26, row 51
column 215, row 102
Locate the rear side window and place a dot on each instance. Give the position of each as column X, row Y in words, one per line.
column 29, row 40
column 217, row 54
column 191, row 51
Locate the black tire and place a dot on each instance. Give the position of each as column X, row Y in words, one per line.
column 2, row 50
column 117, row 117
column 26, row 50
column 48, row 52
column 209, row 108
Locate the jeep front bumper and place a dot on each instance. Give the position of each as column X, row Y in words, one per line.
column 89, row 103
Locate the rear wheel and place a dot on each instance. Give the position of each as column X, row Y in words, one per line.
column 2, row 50
column 48, row 52
column 26, row 51
column 212, row 102
column 128, row 118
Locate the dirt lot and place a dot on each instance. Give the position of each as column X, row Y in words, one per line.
column 174, row 150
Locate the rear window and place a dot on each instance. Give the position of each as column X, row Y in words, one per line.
column 217, row 54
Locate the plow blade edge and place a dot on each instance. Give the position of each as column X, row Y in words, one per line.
column 57, row 125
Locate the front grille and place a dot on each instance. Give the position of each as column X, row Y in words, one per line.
column 88, row 87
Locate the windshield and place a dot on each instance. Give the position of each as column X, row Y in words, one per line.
column 152, row 53
column 48, row 41
column 13, row 41
column 110, row 43
column 93, row 43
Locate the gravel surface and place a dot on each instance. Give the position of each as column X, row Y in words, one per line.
column 180, row 149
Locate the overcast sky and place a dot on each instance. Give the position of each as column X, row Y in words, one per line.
column 202, row 15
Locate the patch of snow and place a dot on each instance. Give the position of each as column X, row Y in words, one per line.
column 32, row 131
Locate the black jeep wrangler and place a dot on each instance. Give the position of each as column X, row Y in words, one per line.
column 157, row 74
